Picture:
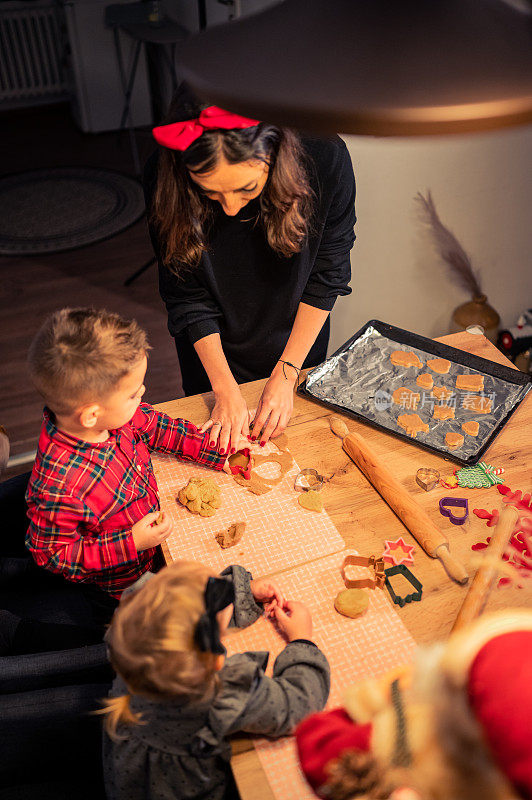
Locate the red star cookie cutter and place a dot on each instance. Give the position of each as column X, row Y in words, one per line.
column 398, row 552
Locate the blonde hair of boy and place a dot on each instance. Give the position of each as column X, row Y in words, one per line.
column 151, row 643
column 80, row 354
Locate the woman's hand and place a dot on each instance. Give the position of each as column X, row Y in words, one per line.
column 275, row 405
column 268, row 593
column 229, row 420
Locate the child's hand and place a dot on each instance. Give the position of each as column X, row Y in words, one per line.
column 147, row 532
column 294, row 620
column 267, row 592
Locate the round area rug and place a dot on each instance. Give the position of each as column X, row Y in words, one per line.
column 51, row 210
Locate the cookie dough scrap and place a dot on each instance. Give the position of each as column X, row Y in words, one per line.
column 453, row 440
column 439, row 365
column 413, row 424
column 231, row 536
column 443, row 412
column 405, row 358
column 470, row 427
column 442, row 393
column 480, row 404
column 311, row 500
column 406, row 398
column 470, row 383
column 425, row 381
column 351, row 602
column 256, row 483
column 201, row 496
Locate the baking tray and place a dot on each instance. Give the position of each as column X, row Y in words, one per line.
column 359, row 379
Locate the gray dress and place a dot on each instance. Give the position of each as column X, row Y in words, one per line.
column 182, row 752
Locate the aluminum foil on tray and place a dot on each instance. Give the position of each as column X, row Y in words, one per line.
column 361, row 379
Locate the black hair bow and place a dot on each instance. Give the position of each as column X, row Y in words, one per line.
column 219, row 593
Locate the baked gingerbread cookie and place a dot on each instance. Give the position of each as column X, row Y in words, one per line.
column 443, row 412
column 439, row 365
column 425, row 381
column 470, row 383
column 454, row 440
column 470, row 427
column 405, row 358
column 406, row 398
column 413, row 424
column 442, row 393
column 478, row 404
column 201, row 496
column 351, row 602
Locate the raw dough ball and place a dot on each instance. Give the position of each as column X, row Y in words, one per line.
column 231, row 536
column 311, row 500
column 470, row 383
column 405, row 358
column 470, row 427
column 439, row 365
column 201, row 496
column 351, row 602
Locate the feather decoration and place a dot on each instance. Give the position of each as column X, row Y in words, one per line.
column 448, row 246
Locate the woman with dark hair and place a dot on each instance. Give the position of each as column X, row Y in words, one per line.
column 252, row 226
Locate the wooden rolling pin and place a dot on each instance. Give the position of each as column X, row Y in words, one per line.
column 481, row 584
column 409, row 512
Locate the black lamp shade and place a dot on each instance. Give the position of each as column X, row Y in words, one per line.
column 375, row 67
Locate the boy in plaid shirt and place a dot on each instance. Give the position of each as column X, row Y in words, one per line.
column 92, row 497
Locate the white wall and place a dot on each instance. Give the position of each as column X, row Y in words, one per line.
column 482, row 188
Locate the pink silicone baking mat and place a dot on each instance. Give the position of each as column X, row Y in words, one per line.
column 279, row 532
column 356, row 648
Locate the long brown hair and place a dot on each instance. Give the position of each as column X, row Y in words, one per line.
column 181, row 215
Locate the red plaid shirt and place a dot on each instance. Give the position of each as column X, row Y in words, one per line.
column 83, row 498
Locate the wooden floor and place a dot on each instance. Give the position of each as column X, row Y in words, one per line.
column 33, row 286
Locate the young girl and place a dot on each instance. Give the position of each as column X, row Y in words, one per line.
column 177, row 699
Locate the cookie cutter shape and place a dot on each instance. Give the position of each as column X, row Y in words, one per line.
column 454, row 502
column 414, row 596
column 398, row 552
column 377, row 564
column 308, row 479
column 427, row 478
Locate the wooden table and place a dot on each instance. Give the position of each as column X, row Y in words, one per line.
column 364, row 520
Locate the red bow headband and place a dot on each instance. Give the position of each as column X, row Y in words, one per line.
column 180, row 135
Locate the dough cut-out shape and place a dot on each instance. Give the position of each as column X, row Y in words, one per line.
column 454, row 440
column 470, row 383
column 256, row 483
column 406, row 398
column 425, row 381
column 478, row 404
column 241, row 463
column 201, row 496
column 351, row 602
column 311, row 500
column 413, row 424
column 470, row 427
column 442, row 393
column 405, row 358
column 443, row 412
column 439, row 365
column 231, row 536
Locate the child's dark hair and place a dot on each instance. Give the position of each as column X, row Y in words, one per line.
column 80, row 354
column 181, row 215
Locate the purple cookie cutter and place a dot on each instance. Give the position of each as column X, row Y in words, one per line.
column 455, row 502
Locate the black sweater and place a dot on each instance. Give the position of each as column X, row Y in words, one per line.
column 246, row 292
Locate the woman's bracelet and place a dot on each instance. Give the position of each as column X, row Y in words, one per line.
column 289, row 364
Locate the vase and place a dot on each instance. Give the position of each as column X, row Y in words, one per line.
column 477, row 312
